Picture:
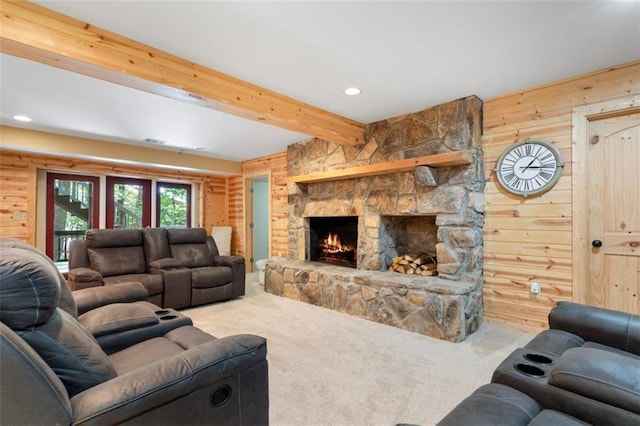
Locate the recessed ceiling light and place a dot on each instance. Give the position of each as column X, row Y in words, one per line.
column 21, row 118
column 352, row 91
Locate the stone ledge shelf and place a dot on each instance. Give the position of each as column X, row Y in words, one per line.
column 446, row 159
column 436, row 307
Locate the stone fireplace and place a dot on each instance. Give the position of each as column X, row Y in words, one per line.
column 425, row 211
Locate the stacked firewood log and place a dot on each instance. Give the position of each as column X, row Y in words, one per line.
column 415, row 265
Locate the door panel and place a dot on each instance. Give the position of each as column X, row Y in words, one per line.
column 260, row 219
column 613, row 175
column 72, row 208
column 128, row 202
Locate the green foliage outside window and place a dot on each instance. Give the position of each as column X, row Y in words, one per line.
column 173, row 207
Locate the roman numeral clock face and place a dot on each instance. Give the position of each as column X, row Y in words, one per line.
column 529, row 167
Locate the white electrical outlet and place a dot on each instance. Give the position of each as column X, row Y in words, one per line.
column 535, row 288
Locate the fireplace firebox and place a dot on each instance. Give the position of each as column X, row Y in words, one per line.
column 333, row 240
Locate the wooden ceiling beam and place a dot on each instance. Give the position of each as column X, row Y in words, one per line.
column 36, row 33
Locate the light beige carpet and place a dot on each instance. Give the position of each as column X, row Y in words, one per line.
column 329, row 368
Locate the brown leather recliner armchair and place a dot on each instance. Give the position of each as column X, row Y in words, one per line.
column 54, row 371
column 118, row 315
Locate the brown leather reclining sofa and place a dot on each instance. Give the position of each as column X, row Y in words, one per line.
column 178, row 267
column 584, row 370
column 159, row 369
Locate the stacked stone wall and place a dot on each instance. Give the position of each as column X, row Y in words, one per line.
column 451, row 197
column 455, row 202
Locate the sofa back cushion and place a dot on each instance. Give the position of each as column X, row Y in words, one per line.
column 609, row 377
column 117, row 260
column 71, row 352
column 98, row 238
column 189, row 247
column 66, row 302
column 115, row 251
column 29, row 288
column 156, row 244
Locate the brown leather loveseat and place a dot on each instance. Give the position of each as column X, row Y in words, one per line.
column 178, row 267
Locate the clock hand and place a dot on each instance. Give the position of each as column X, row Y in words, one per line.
column 529, row 165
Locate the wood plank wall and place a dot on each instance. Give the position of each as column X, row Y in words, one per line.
column 525, row 240
column 274, row 166
column 18, row 177
column 17, row 197
column 236, row 215
column 529, row 240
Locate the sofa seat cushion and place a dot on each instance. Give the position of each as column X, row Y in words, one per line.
column 117, row 260
column 156, row 349
column 153, row 283
column 605, row 376
column 211, row 276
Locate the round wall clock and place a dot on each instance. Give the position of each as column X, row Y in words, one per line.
column 529, row 167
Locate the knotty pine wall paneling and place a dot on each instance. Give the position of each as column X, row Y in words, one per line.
column 236, row 215
column 274, row 166
column 18, row 177
column 530, row 239
column 17, row 199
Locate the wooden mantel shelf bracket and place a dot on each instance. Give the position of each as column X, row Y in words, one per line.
column 447, row 159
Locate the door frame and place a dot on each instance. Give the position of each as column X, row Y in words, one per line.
column 580, row 118
column 248, row 215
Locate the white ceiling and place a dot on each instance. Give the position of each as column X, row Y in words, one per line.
column 404, row 56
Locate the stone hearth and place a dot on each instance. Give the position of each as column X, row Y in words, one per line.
column 435, row 307
column 440, row 214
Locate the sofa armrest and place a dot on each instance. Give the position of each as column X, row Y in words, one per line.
column 84, row 277
column 605, row 376
column 95, row 297
column 117, row 318
column 238, row 270
column 230, row 261
column 612, row 328
column 197, row 378
column 164, row 264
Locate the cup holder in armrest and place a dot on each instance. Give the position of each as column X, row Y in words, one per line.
column 538, row 359
column 530, row 370
column 162, row 312
column 168, row 317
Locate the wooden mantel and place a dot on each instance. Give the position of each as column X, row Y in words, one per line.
column 447, row 159
column 33, row 32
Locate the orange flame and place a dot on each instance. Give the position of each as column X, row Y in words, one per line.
column 332, row 244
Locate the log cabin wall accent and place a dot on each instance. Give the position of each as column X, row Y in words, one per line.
column 524, row 240
column 530, row 239
column 274, row 166
column 18, row 181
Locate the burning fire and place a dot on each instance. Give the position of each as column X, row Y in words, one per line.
column 332, row 244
